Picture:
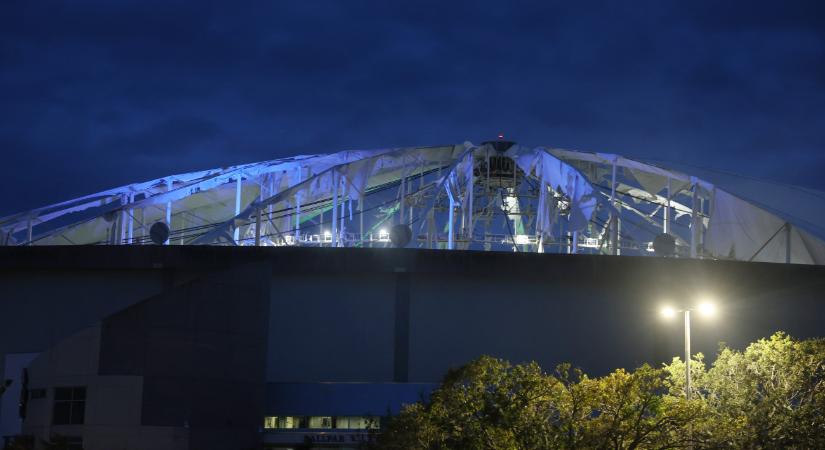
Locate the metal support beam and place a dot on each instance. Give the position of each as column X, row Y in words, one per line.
column 321, row 233
column 131, row 220
column 666, row 223
column 124, row 216
column 575, row 242
column 450, row 236
column 168, row 209
column 402, row 196
column 618, row 228
column 695, row 222
column 261, row 180
column 488, row 169
column 342, row 224
column 468, row 232
column 361, row 217
column 258, row 228
column 143, row 228
column 614, row 225
column 334, row 208
column 238, row 187
column 297, row 209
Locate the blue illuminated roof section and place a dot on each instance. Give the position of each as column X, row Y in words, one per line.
column 495, row 196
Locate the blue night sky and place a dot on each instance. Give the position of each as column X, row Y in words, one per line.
column 98, row 94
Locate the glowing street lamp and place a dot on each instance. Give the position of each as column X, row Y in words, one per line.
column 705, row 308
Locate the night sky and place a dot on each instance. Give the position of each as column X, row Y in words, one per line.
column 99, row 94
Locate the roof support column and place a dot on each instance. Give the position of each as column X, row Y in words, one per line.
column 297, row 208
column 666, row 223
column 321, row 234
column 618, row 228
column 487, row 186
column 541, row 213
column 258, row 228
column 131, row 220
column 614, row 219
column 124, row 215
column 361, row 217
column 403, row 195
column 238, row 186
column 696, row 223
column 342, row 224
column 142, row 227
column 335, row 208
column 420, row 184
column 450, row 243
column 168, row 209
column 574, row 241
column 468, row 232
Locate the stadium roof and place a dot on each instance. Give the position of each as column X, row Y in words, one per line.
column 491, row 196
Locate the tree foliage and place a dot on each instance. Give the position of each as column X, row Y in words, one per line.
column 771, row 395
column 768, row 396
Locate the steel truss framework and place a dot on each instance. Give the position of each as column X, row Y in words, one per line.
column 494, row 196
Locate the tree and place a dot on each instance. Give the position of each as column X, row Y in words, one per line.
column 485, row 404
column 635, row 410
column 491, row 404
column 769, row 396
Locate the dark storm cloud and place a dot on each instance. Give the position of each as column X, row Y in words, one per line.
column 99, row 94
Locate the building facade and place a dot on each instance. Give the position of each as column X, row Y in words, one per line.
column 134, row 347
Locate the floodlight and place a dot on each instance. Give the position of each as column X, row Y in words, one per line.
column 668, row 312
column 383, row 235
column 707, row 309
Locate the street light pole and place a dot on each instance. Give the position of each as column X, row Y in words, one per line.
column 706, row 309
column 687, row 353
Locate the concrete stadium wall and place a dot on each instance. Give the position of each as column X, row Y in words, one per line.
column 408, row 315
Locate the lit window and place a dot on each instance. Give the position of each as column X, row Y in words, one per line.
column 356, row 422
column 273, row 422
column 320, row 422
column 69, row 406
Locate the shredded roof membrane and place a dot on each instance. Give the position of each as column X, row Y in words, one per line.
column 495, row 196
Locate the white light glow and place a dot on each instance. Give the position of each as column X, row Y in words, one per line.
column 668, row 312
column 586, row 242
column 522, row 239
column 707, row 309
column 383, row 235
